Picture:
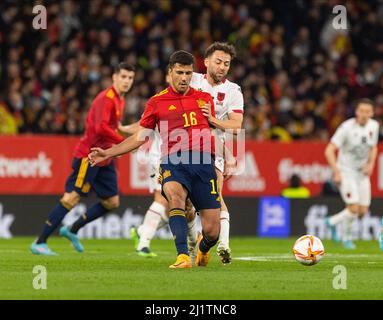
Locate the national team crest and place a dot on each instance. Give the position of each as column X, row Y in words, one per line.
column 201, row 103
column 220, row 96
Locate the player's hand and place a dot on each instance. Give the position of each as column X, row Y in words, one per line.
column 206, row 110
column 368, row 169
column 337, row 178
column 97, row 155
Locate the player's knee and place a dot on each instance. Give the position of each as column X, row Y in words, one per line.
column 212, row 230
column 70, row 200
column 176, row 200
column 111, row 203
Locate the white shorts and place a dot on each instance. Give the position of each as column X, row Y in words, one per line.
column 220, row 163
column 154, row 185
column 355, row 189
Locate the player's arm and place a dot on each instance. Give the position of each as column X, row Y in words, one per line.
column 235, row 114
column 98, row 155
column 234, row 122
column 373, row 153
column 330, row 154
column 130, row 128
column 369, row 167
column 147, row 125
column 102, row 117
column 230, row 160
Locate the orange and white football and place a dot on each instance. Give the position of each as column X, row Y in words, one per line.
column 308, row 250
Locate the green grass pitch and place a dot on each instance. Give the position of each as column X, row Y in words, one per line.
column 261, row 269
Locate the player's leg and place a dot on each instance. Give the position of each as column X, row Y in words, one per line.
column 146, row 231
column 96, row 211
column 206, row 199
column 176, row 195
column 210, row 220
column 223, row 248
column 353, row 212
column 104, row 182
column 350, row 195
column 365, row 201
column 74, row 187
column 93, row 213
column 192, row 229
column 67, row 202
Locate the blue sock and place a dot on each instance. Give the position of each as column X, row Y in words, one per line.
column 54, row 219
column 179, row 227
column 206, row 243
column 93, row 213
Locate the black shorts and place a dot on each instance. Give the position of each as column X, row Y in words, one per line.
column 200, row 180
column 84, row 178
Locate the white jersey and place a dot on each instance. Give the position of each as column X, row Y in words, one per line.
column 354, row 143
column 155, row 148
column 227, row 97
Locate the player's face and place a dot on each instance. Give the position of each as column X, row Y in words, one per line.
column 123, row 80
column 364, row 112
column 180, row 77
column 218, row 65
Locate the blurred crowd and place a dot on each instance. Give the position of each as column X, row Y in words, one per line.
column 299, row 75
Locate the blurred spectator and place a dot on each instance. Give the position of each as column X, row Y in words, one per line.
column 295, row 189
column 329, row 188
column 299, row 75
column 8, row 124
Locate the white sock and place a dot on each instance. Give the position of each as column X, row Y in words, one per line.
column 347, row 227
column 339, row 217
column 149, row 227
column 225, row 228
column 192, row 231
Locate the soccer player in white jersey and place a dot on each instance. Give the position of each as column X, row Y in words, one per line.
column 228, row 102
column 356, row 139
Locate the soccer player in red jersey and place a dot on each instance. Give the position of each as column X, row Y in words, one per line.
column 102, row 122
column 187, row 162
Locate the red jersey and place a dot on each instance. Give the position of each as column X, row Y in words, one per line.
column 180, row 120
column 101, row 123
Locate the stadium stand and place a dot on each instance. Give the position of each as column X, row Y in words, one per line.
column 299, row 75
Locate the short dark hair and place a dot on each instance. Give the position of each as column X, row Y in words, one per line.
column 365, row 101
column 221, row 46
column 123, row 66
column 181, row 57
column 295, row 181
